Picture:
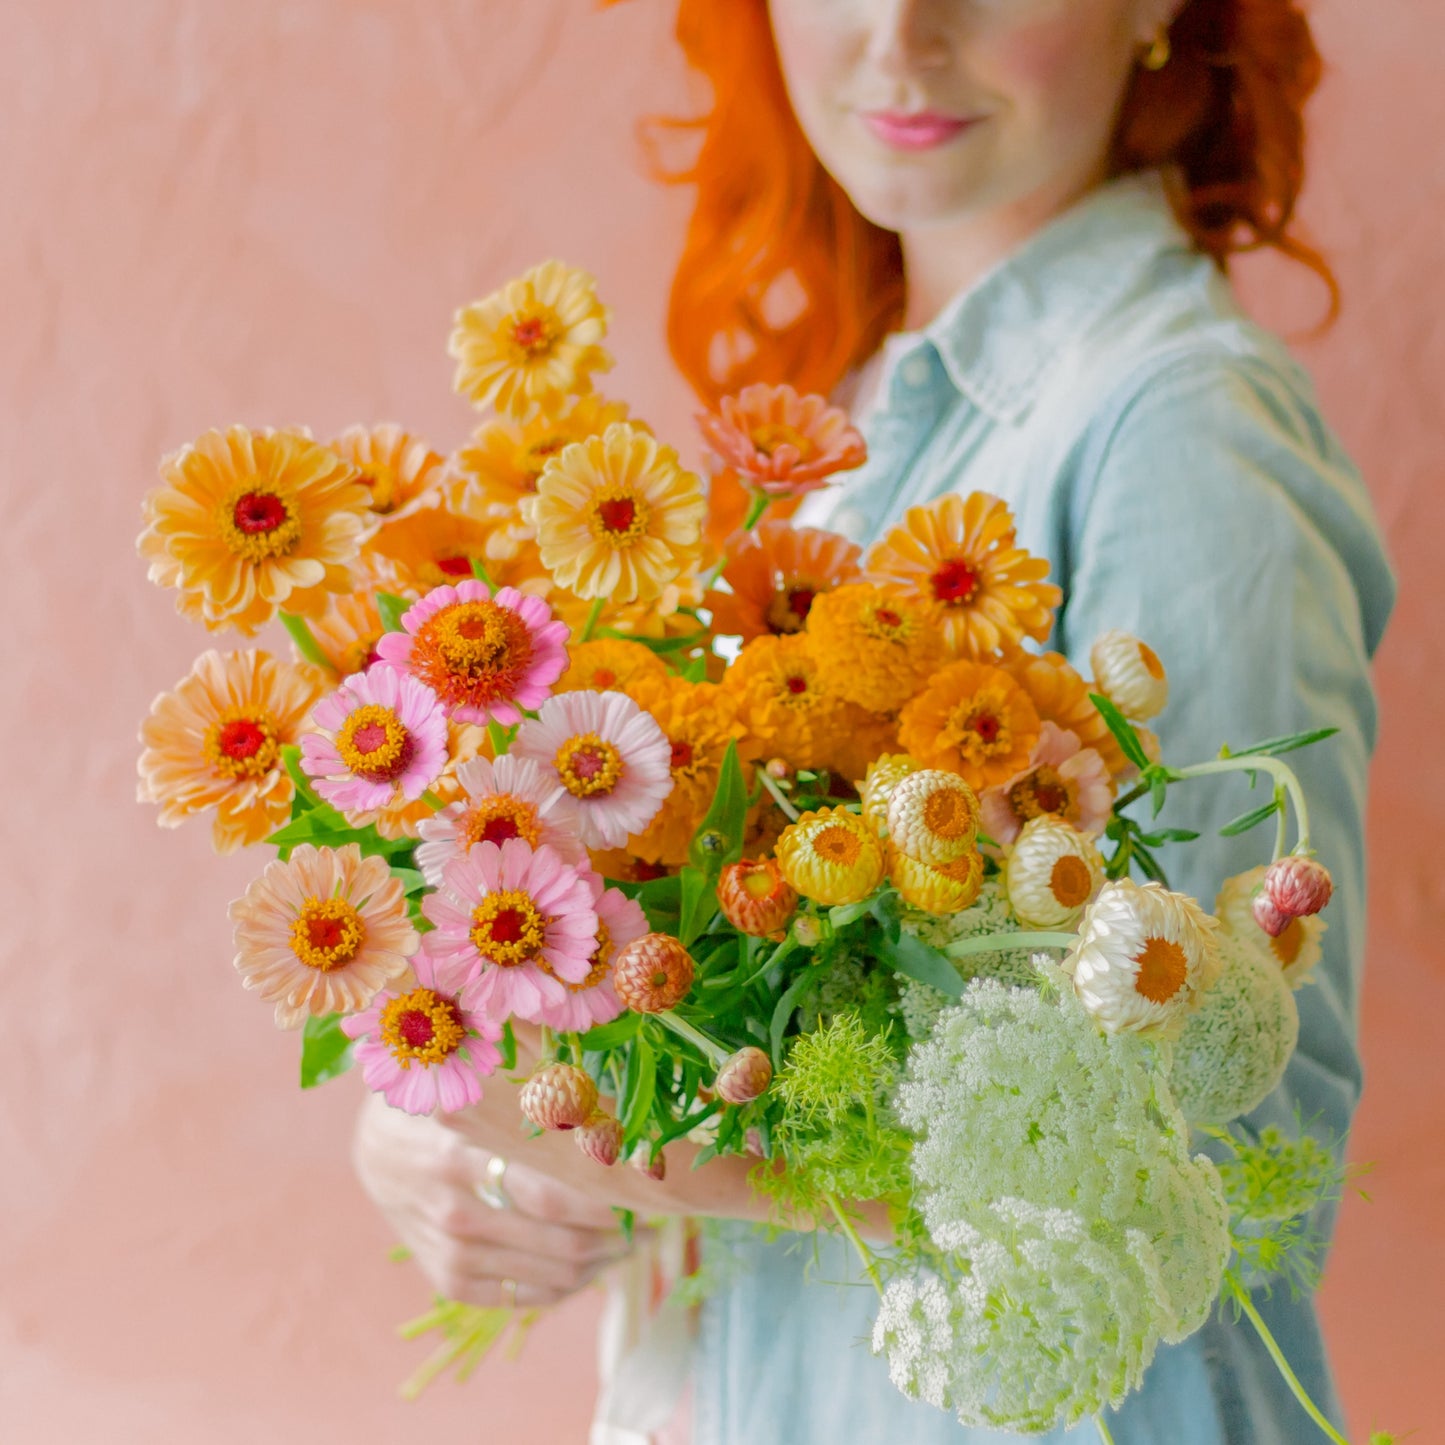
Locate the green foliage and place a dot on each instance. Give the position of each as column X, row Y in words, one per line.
column 1123, row 730
column 325, row 1050
column 391, row 607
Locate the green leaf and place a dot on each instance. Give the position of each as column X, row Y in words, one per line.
column 306, row 644
column 325, row 1050
column 1122, row 729
column 694, row 669
column 885, row 909
column 508, row 1048
column 608, row 1036
column 1161, row 836
column 727, row 817
column 845, row 913
column 914, row 958
column 306, row 797
column 1252, row 819
column 787, row 1006
column 656, row 644
column 391, row 607
column 699, row 903
column 412, row 879
column 479, row 571
column 1287, row 743
column 641, row 1087
column 1158, row 791
column 688, row 1123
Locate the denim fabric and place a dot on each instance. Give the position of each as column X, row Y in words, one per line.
column 1168, row 457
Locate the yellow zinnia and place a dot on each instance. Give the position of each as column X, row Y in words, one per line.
column 831, row 856
column 532, row 344
column 617, row 516
column 874, row 647
column 957, row 557
column 246, row 522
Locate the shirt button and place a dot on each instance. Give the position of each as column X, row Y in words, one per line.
column 916, row 371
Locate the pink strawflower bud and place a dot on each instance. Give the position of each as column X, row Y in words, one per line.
column 744, row 1076
column 644, row 1163
column 559, row 1096
column 1268, row 916
column 600, row 1138
column 652, row 973
column 1298, row 887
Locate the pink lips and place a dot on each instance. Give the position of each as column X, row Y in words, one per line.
column 915, row 132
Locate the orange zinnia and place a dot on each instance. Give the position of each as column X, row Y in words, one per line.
column 775, row 572
column 957, row 555
column 437, row 546
column 874, row 646
column 609, row 664
column 401, row 471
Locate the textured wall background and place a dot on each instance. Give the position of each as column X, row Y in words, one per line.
column 267, row 213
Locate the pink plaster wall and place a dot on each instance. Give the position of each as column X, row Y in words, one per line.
column 267, row 212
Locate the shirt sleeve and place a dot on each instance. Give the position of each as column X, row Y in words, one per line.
column 1216, row 519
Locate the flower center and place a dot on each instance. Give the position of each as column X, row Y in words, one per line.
column 838, row 845
column 1041, row 790
column 603, row 678
column 1071, row 882
column 589, row 766
column 532, row 333
column 1163, row 966
column 375, row 744
column 384, row 485
column 1286, row 945
column 979, row 729
column 947, row 814
column 496, row 819
column 258, row 523
column 759, row 881
column 788, row 608
column 327, row 933
column 535, row 458
column 771, row 435
column 454, row 566
column 681, row 756
column 423, row 1027
column 242, row 745
column 796, row 685
column 1151, row 662
column 472, row 653
column 955, row 583
column 507, row 928
column 619, row 520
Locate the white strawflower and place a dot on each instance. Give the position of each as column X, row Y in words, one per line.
column 1296, row 949
column 1235, row 1045
column 933, row 817
column 1051, row 872
column 1143, row 957
column 1129, row 674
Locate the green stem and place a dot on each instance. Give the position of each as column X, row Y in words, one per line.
column 756, row 507
column 864, row 1253
column 1281, row 820
column 1241, row 1295
column 771, row 784
column 1001, row 942
column 710, row 1047
column 591, row 623
column 479, row 571
column 1282, row 774
column 1103, row 1430
column 432, row 801
column 306, row 644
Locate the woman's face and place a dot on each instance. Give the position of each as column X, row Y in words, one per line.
column 933, row 111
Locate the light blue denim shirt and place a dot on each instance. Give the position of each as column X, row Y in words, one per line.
column 1168, row 457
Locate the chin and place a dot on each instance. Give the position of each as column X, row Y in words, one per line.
column 898, row 207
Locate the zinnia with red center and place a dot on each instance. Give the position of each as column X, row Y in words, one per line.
column 523, row 916
column 486, row 657
column 780, row 443
column 429, row 1047
column 774, row 573
column 510, row 797
column 322, row 932
column 957, row 557
column 1062, row 780
column 246, row 522
column 594, row 1000
column 612, row 760
column 215, row 742
column 380, row 736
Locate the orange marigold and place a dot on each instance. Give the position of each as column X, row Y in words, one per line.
column 775, row 572
column 972, row 719
column 608, row 664
column 874, row 647
column 778, row 686
column 957, row 556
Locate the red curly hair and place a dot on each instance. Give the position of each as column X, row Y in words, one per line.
column 775, row 244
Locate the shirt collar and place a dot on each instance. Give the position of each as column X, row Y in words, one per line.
column 997, row 340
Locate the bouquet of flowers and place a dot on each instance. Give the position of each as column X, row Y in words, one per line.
column 803, row 854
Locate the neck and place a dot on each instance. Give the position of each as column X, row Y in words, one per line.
column 942, row 261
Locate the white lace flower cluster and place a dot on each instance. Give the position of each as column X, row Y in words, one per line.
column 1053, row 1165
column 1235, row 1045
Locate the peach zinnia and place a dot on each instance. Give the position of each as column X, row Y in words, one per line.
column 617, row 516
column 322, row 933
column 216, row 740
column 957, row 556
column 347, row 634
column 974, row 720
column 246, row 522
column 775, row 572
column 781, row 443
column 401, row 471
column 532, row 344
column 488, row 658
column 1062, row 780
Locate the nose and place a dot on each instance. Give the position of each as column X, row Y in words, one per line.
column 907, row 37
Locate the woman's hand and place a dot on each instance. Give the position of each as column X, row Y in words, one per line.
column 423, row 1175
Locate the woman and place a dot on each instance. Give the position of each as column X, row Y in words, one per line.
column 1034, row 201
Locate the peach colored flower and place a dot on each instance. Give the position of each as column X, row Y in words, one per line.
column 1061, row 696
column 775, row 572
column 215, row 742
column 322, row 933
column 1062, row 779
column 347, row 634
column 402, row 473
column 957, row 555
column 782, row 443
column 437, row 545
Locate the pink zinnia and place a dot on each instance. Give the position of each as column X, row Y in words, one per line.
column 612, row 759
column 486, row 657
column 525, row 917
column 430, row 1047
column 1062, row 779
column 380, row 734
column 593, row 1000
column 782, row 443
column 509, row 798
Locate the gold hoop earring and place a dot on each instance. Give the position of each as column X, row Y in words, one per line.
column 1158, row 54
